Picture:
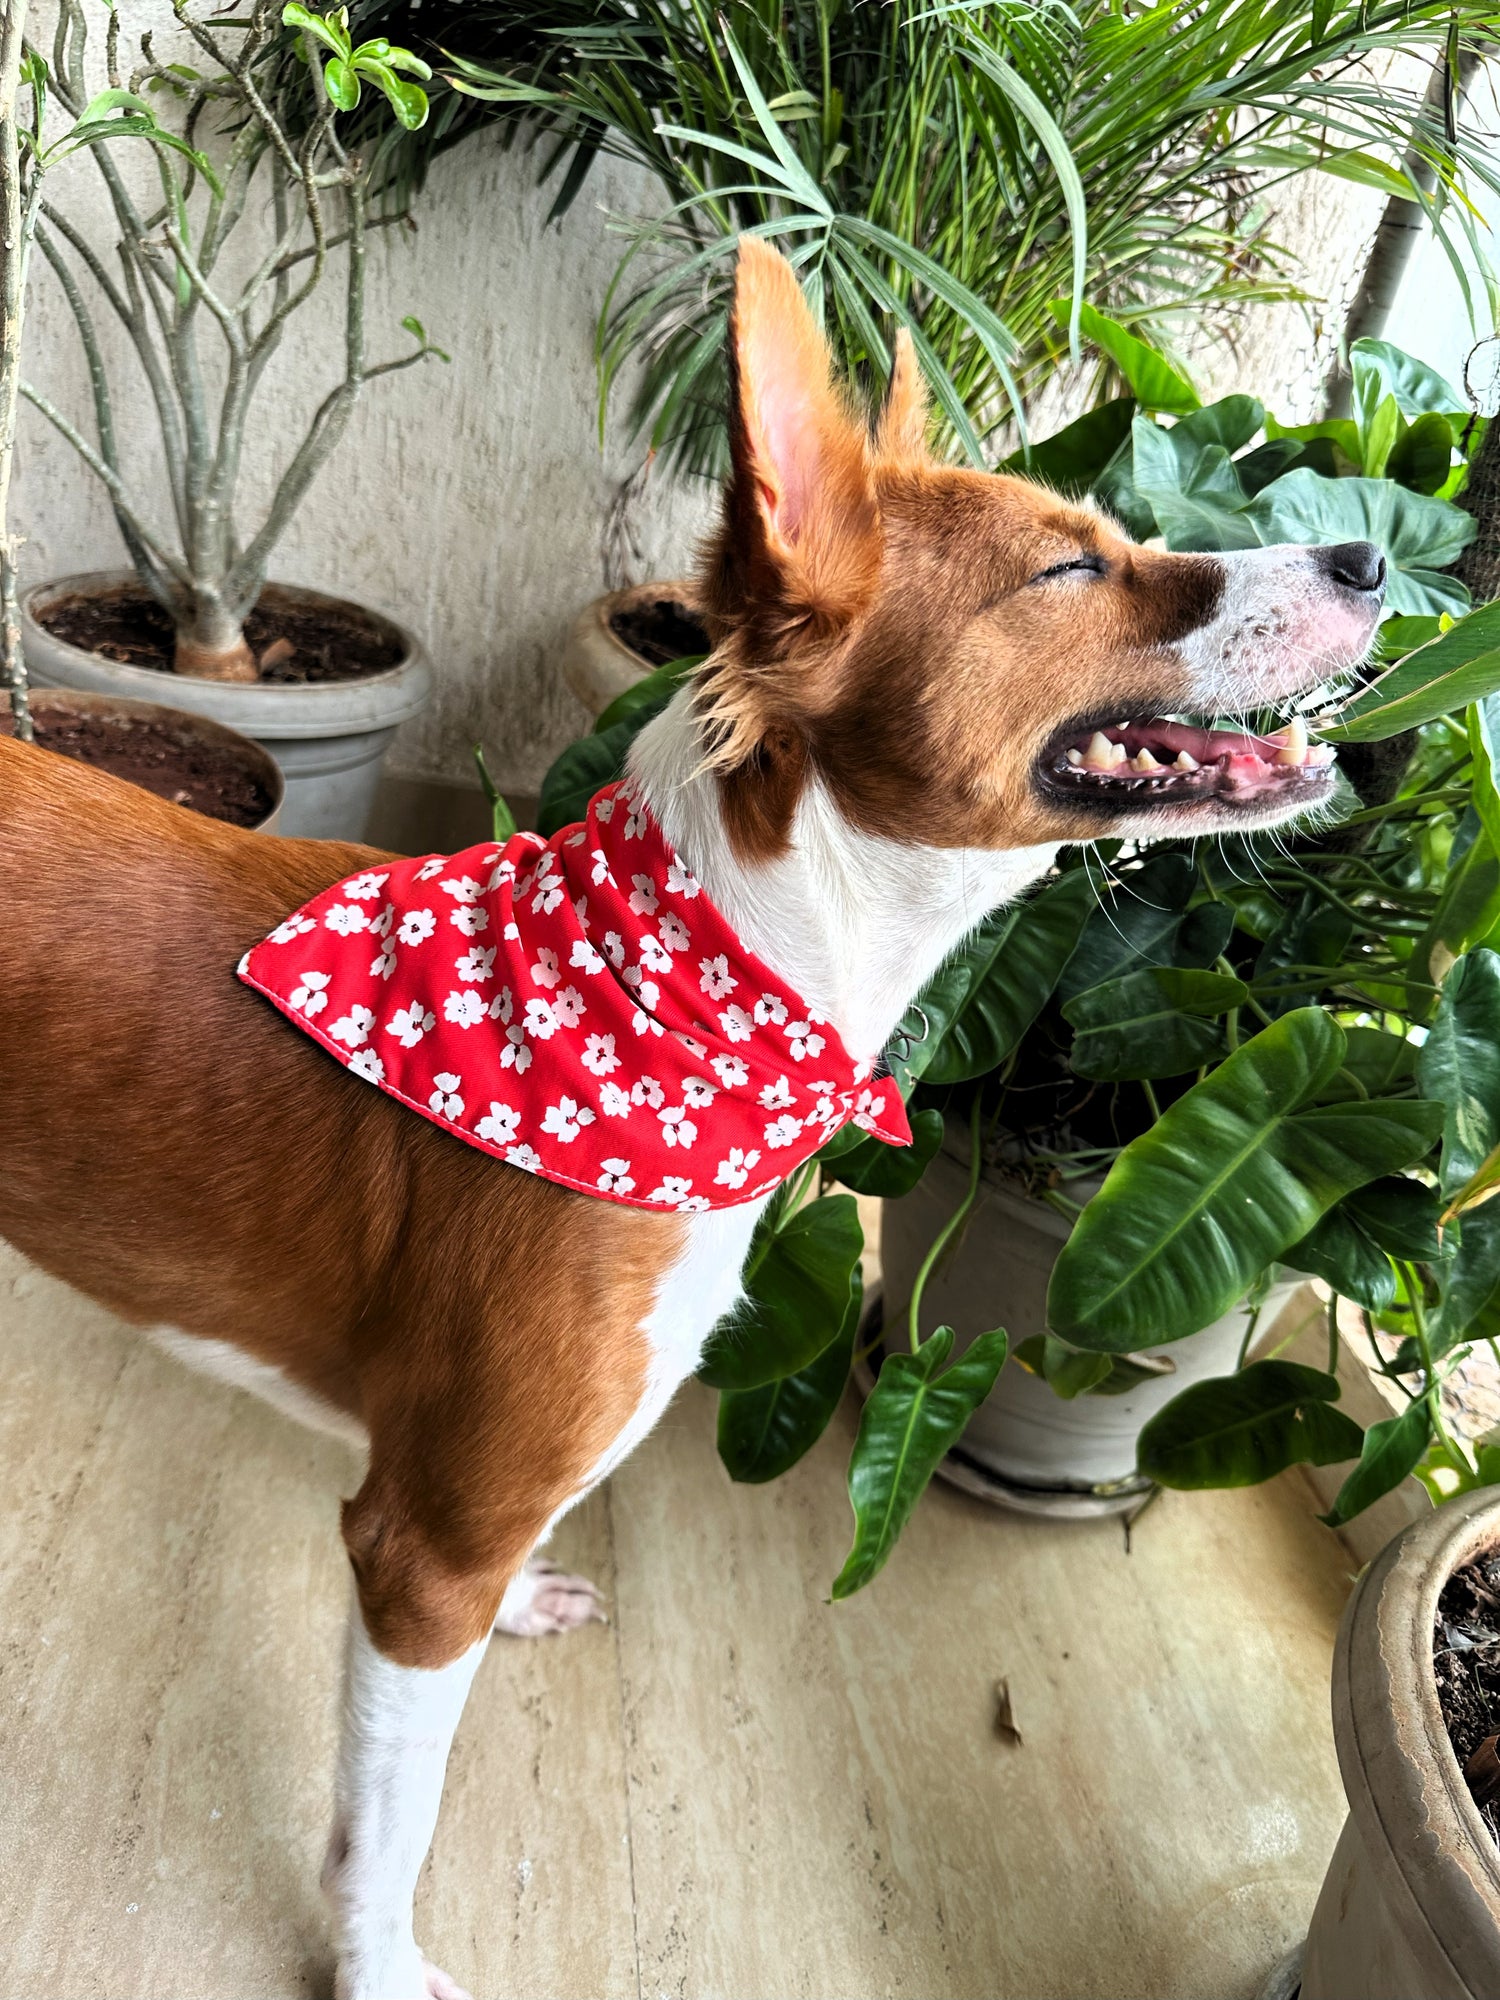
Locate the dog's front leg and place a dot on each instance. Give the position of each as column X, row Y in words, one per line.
column 397, row 1728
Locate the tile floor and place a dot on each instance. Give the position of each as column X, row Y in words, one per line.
column 733, row 1790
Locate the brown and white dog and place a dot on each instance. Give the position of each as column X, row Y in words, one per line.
column 924, row 681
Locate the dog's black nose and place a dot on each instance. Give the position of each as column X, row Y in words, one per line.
column 1356, row 565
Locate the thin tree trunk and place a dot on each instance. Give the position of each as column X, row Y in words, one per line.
column 1479, row 565
column 13, row 245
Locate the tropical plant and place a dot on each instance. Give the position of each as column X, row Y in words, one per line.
column 956, row 167
column 233, row 150
column 1229, row 1033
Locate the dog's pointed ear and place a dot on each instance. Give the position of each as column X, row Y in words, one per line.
column 802, row 525
column 902, row 434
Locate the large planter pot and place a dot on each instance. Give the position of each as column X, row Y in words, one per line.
column 1025, row 1447
column 166, row 750
column 617, row 639
column 328, row 737
column 1410, row 1908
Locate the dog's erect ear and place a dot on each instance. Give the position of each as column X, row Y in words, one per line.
column 802, row 538
column 903, row 422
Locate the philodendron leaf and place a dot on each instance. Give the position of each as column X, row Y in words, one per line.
column 1459, row 1066
column 1459, row 666
column 1470, row 1305
column 1391, row 1450
column 916, row 1412
column 1236, row 1430
column 577, row 772
column 1066, row 1371
column 869, row 1166
column 796, row 1294
column 1230, row 1176
column 763, row 1432
column 1072, row 459
column 1159, row 1022
column 1344, row 1255
column 1156, row 384
column 1420, row 536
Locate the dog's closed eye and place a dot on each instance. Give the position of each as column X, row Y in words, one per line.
column 1086, row 565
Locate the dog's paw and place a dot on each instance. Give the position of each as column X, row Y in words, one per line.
column 439, row 1986
column 544, row 1599
column 412, row 1978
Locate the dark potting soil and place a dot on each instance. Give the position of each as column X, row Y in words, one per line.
column 660, row 631
column 1466, row 1663
column 295, row 644
column 205, row 776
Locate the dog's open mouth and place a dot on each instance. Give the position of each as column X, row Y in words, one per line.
column 1128, row 763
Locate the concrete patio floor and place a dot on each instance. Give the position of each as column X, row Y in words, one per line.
column 732, row 1790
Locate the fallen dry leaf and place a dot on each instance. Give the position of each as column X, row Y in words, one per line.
column 1005, row 1715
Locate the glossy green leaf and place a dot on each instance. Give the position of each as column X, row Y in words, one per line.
column 1159, row 1022
column 763, row 1432
column 1420, row 535
column 869, row 1166
column 1399, row 1214
column 1460, row 666
column 916, row 1412
column 1067, row 1371
column 325, row 28
column 1459, row 1065
column 1138, row 924
column 1237, row 1430
column 1391, row 1450
column 1470, row 1305
column 1073, row 458
column 1344, row 1255
column 1416, row 387
column 1154, row 382
column 577, row 772
column 1192, row 489
column 797, row 1283
column 1228, row 1178
column 1422, row 458
column 1376, row 1064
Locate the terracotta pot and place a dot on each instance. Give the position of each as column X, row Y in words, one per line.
column 329, row 738
column 187, row 729
column 597, row 664
column 1410, row 1907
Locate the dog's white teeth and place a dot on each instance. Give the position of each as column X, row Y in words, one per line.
column 1075, row 758
column 1100, row 754
column 1118, row 755
column 1183, row 762
column 1144, row 761
column 1321, row 753
column 1293, row 741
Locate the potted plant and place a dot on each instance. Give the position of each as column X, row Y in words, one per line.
column 619, row 638
column 322, row 681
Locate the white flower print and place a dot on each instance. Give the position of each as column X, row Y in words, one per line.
column 737, row 1024
column 715, row 979
column 599, row 1054
column 635, row 821
column 614, row 947
column 365, row 888
column 416, row 925
column 354, row 1027
column 512, row 934
column 732, row 1071
column 674, row 1188
column 803, row 1041
column 679, row 881
column 433, row 867
column 525, row 1157
column 344, row 919
column 643, row 1024
column 646, row 1090
column 776, row 1096
column 470, row 919
column 499, row 1125
column 550, row 891
column 677, row 1129
column 540, row 1020
column 502, row 1006
column 783, row 1131
column 568, row 1008
column 309, row 998
column 384, row 963
column 381, row 925
column 477, row 963
column 645, row 990
column 581, row 911
column 674, row 932
column 368, row 1065
column 601, row 869
column 769, row 1008
column 503, row 871
column 654, row 955
column 465, row 1010
column 463, row 888
column 411, row 1024
column 604, row 811
column 293, row 928
column 867, row 1108
column 696, row 1050
column 445, row 1100
column 698, row 1092
column 643, row 896
column 615, row 1177
column 584, row 957
column 566, row 1119
column 734, row 1170
column 614, row 1102
column 545, row 971
column 515, row 1054
column 694, row 1204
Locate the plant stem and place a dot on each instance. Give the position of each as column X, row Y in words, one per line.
column 17, row 221
column 951, row 1227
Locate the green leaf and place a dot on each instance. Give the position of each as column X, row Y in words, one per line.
column 980, row 1003
column 1072, row 459
column 327, row 29
column 1420, row 536
column 1398, row 1214
column 763, row 1432
column 1417, row 388
column 1460, row 666
column 648, row 697
column 916, row 1412
column 1422, row 458
column 1237, row 1430
column 1470, row 1304
column 576, row 773
column 415, row 328
column 1154, row 382
column 341, row 81
column 1140, row 922
column 1193, row 490
column 1391, row 1450
column 1067, row 1371
column 1345, row 1256
column 407, row 100
column 1459, row 1065
column 1222, row 1185
column 502, row 819
column 1159, row 1022
column 796, row 1294
column 869, row 1166
column 1375, row 1065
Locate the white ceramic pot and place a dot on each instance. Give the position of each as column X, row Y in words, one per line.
column 1024, row 1446
column 328, row 738
column 597, row 664
column 1410, row 1907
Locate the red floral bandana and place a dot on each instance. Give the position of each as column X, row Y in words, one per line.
column 578, row 1008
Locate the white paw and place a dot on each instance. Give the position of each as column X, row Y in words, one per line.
column 411, row 1978
column 544, row 1599
column 440, row 1986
